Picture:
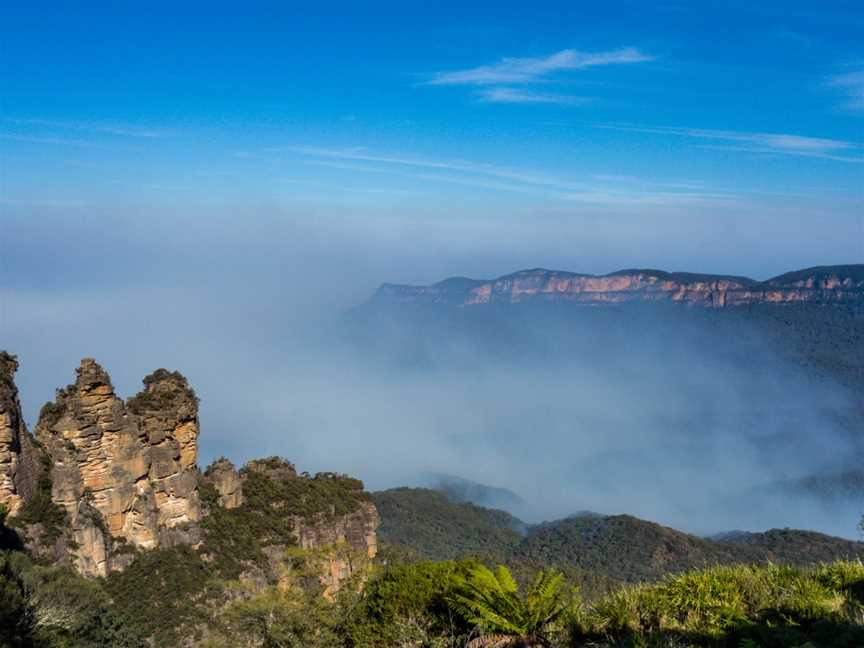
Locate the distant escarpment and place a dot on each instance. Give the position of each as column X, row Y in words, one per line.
column 842, row 284
column 105, row 480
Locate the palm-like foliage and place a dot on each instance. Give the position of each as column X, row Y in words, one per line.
column 491, row 601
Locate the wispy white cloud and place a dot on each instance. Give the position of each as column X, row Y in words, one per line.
column 612, row 190
column 59, row 141
column 750, row 142
column 520, row 96
column 434, row 176
column 122, row 130
column 506, row 173
column 852, row 83
column 530, row 70
column 663, row 198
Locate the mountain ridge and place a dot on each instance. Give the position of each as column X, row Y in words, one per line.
column 622, row 547
column 818, row 284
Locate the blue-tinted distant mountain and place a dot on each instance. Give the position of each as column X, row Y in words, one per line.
column 780, row 341
column 813, row 317
column 823, row 284
column 459, row 489
column 828, row 488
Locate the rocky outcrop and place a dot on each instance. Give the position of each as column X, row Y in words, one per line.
column 356, row 529
column 356, row 532
column 107, row 478
column 124, row 473
column 332, row 526
column 167, row 411
column 825, row 284
column 275, row 469
column 328, row 514
column 18, row 460
column 223, row 477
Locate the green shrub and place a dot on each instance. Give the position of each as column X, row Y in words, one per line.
column 69, row 610
column 847, row 577
column 405, row 605
column 770, row 605
column 16, row 623
column 288, row 615
column 623, row 613
column 54, row 607
column 170, row 386
column 163, row 594
column 491, row 603
column 707, row 601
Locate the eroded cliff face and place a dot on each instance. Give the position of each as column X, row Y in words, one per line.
column 124, row 473
column 18, row 461
column 226, row 481
column 829, row 284
column 356, row 531
column 110, row 478
column 343, row 532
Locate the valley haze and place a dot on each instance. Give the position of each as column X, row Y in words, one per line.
column 651, row 409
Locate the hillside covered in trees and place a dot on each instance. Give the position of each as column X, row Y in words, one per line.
column 621, row 548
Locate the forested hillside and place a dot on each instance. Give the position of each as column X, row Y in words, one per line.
column 620, row 547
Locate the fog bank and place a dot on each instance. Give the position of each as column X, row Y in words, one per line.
column 674, row 425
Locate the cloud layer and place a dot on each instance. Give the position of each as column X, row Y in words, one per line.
column 520, row 96
column 775, row 143
column 497, row 80
column 532, row 70
column 242, row 302
column 597, row 189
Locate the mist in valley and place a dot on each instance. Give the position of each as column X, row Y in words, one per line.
column 680, row 420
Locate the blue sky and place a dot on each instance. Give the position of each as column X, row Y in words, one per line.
column 204, row 186
column 598, row 114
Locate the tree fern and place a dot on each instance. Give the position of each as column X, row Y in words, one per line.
column 491, row 601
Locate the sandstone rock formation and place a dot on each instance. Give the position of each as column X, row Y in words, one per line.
column 354, row 531
column 18, row 462
column 332, row 526
column 828, row 284
column 124, row 473
column 342, row 530
column 109, row 478
column 224, row 478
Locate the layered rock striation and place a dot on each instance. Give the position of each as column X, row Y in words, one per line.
column 825, row 284
column 18, row 462
column 106, row 478
column 125, row 473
